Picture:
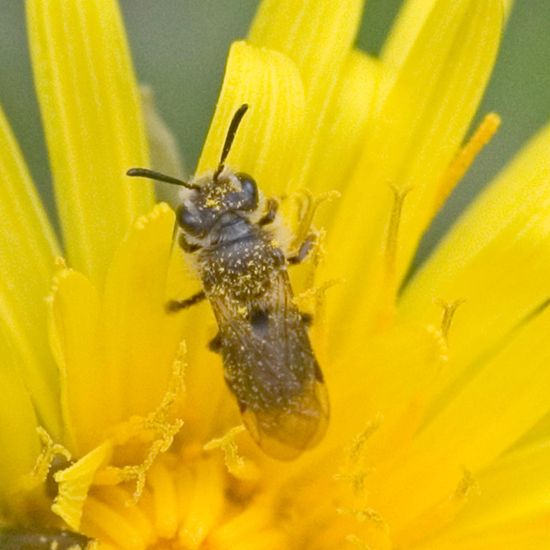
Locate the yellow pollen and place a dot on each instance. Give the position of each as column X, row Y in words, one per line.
column 465, row 158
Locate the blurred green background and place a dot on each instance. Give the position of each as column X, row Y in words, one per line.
column 179, row 48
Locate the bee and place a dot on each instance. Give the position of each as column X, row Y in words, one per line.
column 268, row 361
column 28, row 539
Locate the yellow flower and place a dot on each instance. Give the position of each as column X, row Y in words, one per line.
column 115, row 420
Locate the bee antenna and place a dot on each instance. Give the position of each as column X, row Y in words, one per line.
column 152, row 175
column 235, row 121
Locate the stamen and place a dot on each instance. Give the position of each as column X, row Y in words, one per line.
column 157, row 427
column 49, row 451
column 357, row 447
column 308, row 206
column 366, row 515
column 449, row 310
column 235, row 463
column 465, row 487
column 354, row 470
column 391, row 286
column 465, row 158
column 399, row 196
column 355, row 479
column 440, row 514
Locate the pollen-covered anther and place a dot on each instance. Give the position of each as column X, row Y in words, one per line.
column 356, row 450
column 237, row 466
column 159, row 427
column 355, row 471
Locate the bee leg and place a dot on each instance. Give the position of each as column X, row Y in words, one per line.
column 270, row 213
column 175, row 305
column 215, row 344
column 303, row 251
column 187, row 246
column 307, row 318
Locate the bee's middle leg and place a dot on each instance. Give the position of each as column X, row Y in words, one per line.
column 174, row 306
column 303, row 251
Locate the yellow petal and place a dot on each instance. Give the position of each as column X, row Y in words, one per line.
column 423, row 113
column 141, row 340
column 269, row 82
column 92, row 119
column 117, row 357
column 514, row 488
column 444, row 81
column 85, row 395
column 163, row 147
column 521, row 534
column 497, row 258
column 27, row 251
column 18, row 436
column 491, row 412
column 75, row 482
column 317, row 36
column 341, row 135
column 383, row 374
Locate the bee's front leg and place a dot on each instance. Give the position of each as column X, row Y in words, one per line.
column 303, row 251
column 187, row 246
column 174, row 306
column 270, row 212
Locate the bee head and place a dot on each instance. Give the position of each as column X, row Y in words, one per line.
column 230, row 193
column 212, row 197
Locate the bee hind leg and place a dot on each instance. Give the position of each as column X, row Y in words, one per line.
column 303, row 251
column 174, row 306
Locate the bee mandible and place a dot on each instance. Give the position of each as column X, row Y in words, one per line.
column 269, row 364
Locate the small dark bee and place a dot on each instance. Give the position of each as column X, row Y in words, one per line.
column 47, row 539
column 269, row 364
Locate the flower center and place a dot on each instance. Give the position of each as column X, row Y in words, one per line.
column 192, row 499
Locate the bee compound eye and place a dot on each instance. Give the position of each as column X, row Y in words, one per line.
column 249, row 191
column 190, row 222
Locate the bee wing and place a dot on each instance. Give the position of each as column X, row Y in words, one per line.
column 13, row 539
column 270, row 367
